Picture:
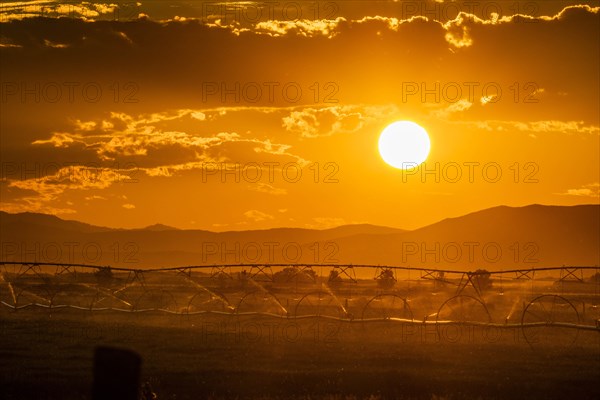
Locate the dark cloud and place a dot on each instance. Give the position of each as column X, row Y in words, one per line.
column 60, row 73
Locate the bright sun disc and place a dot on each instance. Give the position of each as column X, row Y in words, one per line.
column 404, row 144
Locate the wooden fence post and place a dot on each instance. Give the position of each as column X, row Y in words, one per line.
column 116, row 374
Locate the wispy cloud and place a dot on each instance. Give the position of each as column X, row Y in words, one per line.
column 589, row 190
column 311, row 122
column 258, row 216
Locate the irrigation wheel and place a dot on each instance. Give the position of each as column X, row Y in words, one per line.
column 549, row 323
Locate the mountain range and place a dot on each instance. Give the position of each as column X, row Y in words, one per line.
column 497, row 238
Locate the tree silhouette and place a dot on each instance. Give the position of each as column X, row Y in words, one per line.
column 482, row 280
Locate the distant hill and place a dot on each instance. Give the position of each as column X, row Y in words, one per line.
column 357, row 229
column 29, row 235
column 32, row 221
column 496, row 238
column 159, row 227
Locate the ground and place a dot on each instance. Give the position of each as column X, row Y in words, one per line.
column 48, row 355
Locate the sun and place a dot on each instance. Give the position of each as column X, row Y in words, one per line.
column 404, row 144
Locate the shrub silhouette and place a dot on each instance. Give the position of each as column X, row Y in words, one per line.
column 482, row 280
column 104, row 276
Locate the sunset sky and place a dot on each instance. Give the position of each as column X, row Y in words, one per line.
column 229, row 116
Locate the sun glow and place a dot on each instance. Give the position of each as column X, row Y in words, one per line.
column 404, row 144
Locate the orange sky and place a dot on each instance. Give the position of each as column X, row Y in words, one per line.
column 134, row 121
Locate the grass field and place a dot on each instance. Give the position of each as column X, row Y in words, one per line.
column 48, row 355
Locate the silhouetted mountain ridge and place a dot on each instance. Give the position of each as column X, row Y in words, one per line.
column 52, row 221
column 39, row 220
column 159, row 228
column 529, row 236
column 524, row 237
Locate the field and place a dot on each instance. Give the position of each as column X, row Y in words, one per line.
column 309, row 340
